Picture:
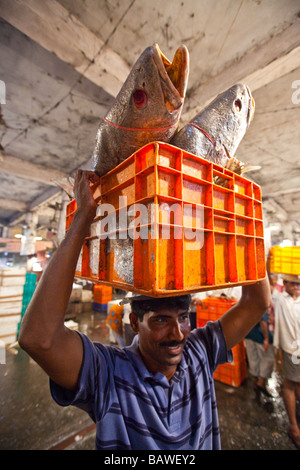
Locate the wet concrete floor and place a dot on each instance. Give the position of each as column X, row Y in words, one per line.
column 30, row 419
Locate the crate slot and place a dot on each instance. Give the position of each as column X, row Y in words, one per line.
column 256, row 192
column 199, row 268
column 223, row 199
column 246, row 256
column 225, row 258
column 195, row 167
column 169, row 183
column 244, row 225
column 196, row 192
column 145, row 158
column 126, row 171
column 223, row 224
column 258, row 214
column 243, row 205
column 259, row 228
column 243, row 186
column 169, row 157
column 196, row 216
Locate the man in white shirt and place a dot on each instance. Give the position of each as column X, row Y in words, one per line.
column 287, row 337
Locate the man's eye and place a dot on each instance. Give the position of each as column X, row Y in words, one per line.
column 184, row 318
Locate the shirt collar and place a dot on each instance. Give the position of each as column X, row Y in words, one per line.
column 136, row 359
column 288, row 296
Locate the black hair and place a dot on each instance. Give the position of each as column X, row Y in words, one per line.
column 140, row 307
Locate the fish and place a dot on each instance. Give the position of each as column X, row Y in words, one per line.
column 216, row 132
column 146, row 109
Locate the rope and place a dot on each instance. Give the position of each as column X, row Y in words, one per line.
column 137, row 129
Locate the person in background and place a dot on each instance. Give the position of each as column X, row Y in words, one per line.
column 158, row 393
column 276, row 289
column 114, row 321
column 287, row 338
column 260, row 355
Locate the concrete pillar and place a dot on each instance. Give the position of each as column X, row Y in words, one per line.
column 61, row 231
column 29, row 234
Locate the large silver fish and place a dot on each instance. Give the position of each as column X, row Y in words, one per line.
column 147, row 108
column 216, row 132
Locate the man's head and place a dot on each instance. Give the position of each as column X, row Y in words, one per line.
column 292, row 285
column 163, row 326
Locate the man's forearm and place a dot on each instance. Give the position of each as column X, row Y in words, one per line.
column 46, row 310
column 242, row 317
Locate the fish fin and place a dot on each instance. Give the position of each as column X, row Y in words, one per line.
column 236, row 166
column 247, row 167
column 67, row 184
column 239, row 167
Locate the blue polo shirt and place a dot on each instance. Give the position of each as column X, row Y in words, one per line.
column 134, row 409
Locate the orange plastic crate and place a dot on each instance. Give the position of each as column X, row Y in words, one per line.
column 231, row 374
column 169, row 229
column 212, row 308
column 235, row 372
column 102, row 294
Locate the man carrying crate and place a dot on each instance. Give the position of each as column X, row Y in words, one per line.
column 158, row 393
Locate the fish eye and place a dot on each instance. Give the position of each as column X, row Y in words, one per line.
column 140, row 98
column 238, row 105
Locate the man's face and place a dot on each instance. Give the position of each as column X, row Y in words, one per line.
column 162, row 336
column 292, row 288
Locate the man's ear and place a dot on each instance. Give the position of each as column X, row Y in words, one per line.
column 134, row 322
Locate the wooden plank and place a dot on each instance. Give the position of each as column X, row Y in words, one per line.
column 12, row 281
column 6, row 292
column 13, row 271
column 10, row 309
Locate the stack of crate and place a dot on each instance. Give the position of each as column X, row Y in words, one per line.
column 12, row 280
column 284, row 260
column 102, row 295
column 233, row 373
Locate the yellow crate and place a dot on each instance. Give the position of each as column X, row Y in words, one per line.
column 285, row 260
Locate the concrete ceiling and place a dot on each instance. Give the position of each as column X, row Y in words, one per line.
column 63, row 62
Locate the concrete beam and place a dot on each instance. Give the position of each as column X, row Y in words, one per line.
column 30, row 171
column 57, row 30
column 13, row 205
column 260, row 66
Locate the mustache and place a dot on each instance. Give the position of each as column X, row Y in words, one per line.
column 172, row 344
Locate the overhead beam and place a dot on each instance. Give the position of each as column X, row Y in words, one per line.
column 57, row 30
column 13, row 205
column 31, row 171
column 259, row 66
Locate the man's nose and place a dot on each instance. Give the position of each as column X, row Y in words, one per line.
column 176, row 331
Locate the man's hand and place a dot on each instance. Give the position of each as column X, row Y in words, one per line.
column 84, row 193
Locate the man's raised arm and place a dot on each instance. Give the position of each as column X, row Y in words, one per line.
column 43, row 334
column 242, row 317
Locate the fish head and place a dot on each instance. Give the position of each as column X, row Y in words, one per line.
column 153, row 93
column 229, row 115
